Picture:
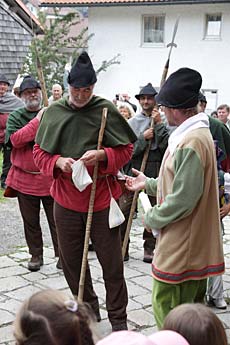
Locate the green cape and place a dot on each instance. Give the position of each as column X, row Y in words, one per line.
column 16, row 120
column 71, row 132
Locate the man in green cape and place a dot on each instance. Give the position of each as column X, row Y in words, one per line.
column 69, row 132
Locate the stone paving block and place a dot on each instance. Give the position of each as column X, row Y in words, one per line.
column 10, row 305
column 135, row 290
column 141, row 318
column 5, row 317
column 12, row 271
column 58, row 282
column 144, row 281
column 9, row 284
column 23, row 293
column 20, row 256
column 131, row 272
column 5, row 261
column 145, row 300
column 48, row 252
column 6, row 334
column 133, row 305
column 99, row 289
column 34, row 276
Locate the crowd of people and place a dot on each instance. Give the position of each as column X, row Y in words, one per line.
column 185, row 177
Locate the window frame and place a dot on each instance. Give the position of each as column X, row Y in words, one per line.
column 152, row 44
column 206, row 21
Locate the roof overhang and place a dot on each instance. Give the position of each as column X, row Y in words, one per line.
column 18, row 7
column 109, row 3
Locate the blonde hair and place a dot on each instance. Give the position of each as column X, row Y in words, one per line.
column 49, row 317
column 197, row 324
column 128, row 107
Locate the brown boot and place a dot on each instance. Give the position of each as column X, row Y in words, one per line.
column 35, row 263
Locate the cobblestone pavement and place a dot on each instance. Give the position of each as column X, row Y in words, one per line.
column 17, row 283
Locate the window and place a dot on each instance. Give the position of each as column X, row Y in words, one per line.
column 153, row 29
column 213, row 26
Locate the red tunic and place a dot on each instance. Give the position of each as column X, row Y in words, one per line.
column 67, row 195
column 19, row 177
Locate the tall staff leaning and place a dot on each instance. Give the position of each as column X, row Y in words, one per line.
column 146, row 153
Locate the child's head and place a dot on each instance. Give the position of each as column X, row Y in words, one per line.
column 197, row 323
column 134, row 338
column 50, row 317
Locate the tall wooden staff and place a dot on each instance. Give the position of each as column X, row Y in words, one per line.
column 146, row 153
column 90, row 211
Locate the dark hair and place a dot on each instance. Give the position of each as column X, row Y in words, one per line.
column 49, row 317
column 197, row 324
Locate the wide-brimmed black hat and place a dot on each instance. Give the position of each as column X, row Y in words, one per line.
column 3, row 79
column 202, row 98
column 82, row 73
column 181, row 89
column 147, row 90
column 29, row 83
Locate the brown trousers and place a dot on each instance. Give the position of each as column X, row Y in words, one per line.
column 30, row 210
column 107, row 243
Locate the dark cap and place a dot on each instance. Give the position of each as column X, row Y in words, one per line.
column 82, row 73
column 147, row 90
column 3, row 79
column 181, row 89
column 28, row 83
column 202, row 98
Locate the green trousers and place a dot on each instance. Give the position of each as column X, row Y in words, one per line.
column 165, row 296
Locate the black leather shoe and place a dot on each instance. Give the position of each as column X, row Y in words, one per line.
column 35, row 263
column 120, row 327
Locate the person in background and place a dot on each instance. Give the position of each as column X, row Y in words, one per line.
column 8, row 103
column 126, row 110
column 158, row 136
column 187, row 206
column 223, row 114
column 24, row 176
column 56, row 93
column 197, row 324
column 50, row 317
column 214, row 114
column 68, row 134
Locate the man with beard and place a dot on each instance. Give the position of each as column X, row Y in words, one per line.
column 8, row 103
column 69, row 132
column 31, row 185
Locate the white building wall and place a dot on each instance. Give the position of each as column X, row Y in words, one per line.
column 117, row 30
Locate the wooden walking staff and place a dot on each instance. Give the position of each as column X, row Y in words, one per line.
column 146, row 153
column 90, row 210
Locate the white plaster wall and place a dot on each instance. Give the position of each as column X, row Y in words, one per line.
column 117, row 30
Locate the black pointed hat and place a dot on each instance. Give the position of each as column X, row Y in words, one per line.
column 147, row 90
column 82, row 73
column 181, row 89
column 3, row 79
column 29, row 83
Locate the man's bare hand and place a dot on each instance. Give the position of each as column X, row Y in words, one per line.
column 156, row 116
column 40, row 113
column 148, row 134
column 65, row 164
column 92, row 156
column 224, row 210
column 135, row 183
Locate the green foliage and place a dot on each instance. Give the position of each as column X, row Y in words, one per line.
column 57, row 47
